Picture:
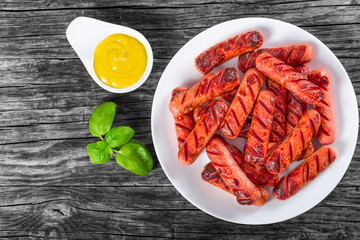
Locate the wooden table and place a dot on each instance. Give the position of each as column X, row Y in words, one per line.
column 48, row 186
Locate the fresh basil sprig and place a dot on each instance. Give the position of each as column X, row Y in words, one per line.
column 133, row 156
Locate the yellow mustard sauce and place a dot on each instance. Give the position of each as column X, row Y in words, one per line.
column 120, row 60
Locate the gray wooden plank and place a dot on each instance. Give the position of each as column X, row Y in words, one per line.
column 158, row 212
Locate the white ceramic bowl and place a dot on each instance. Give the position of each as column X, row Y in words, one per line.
column 84, row 34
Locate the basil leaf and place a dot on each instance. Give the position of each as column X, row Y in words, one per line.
column 119, row 136
column 98, row 152
column 102, row 119
column 134, row 157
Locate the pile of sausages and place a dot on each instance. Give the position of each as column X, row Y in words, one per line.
column 275, row 119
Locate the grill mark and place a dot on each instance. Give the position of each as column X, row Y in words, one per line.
column 260, row 121
column 252, row 93
column 263, row 104
column 183, row 99
column 325, row 103
column 323, row 116
column 228, row 127
column 216, row 164
column 213, row 153
column 313, row 128
column 305, row 172
column 236, row 119
column 197, row 90
column 291, row 152
column 251, row 132
column 302, row 139
column 222, row 80
column 323, row 131
column 277, row 133
column 186, row 151
column 250, row 59
column 266, row 57
column 279, row 109
column 196, row 140
column 181, row 140
column 208, row 86
column 206, row 128
column 277, row 91
column 277, row 52
column 300, row 54
column 298, row 80
column 242, row 103
column 214, row 115
column 288, row 56
column 183, row 127
column 317, row 163
column 307, row 89
column 288, row 70
column 293, row 124
column 253, row 151
column 293, row 111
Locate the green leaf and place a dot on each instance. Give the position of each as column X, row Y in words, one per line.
column 98, row 152
column 134, row 156
column 102, row 118
column 119, row 136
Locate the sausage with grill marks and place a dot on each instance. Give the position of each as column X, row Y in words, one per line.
column 226, row 50
column 259, row 133
column 304, row 173
column 183, row 124
column 210, row 86
column 202, row 132
column 210, row 175
column 287, row 76
column 291, row 55
column 326, row 134
column 242, row 104
column 231, row 173
column 291, row 149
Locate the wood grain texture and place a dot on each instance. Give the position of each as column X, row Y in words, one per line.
column 48, row 187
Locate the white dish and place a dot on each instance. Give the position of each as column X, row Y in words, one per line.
column 186, row 179
column 84, row 34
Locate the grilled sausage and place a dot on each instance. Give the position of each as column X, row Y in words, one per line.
column 259, row 133
column 291, row 149
column 326, row 134
column 304, row 173
column 210, row 175
column 208, row 87
column 279, row 121
column 287, row 76
column 183, row 124
column 203, row 131
column 291, row 55
column 226, row 50
column 242, row 104
column 230, row 171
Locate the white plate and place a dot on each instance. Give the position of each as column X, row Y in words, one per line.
column 186, row 179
